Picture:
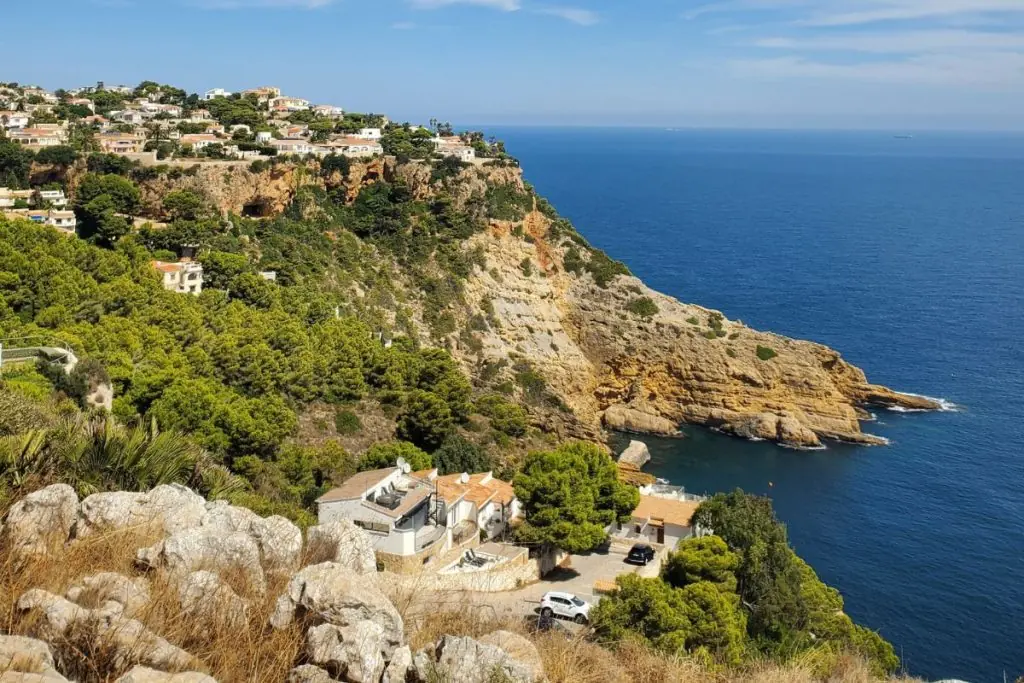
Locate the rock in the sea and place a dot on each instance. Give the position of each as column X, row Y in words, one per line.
column 204, row 596
column 625, row 419
column 27, row 656
column 356, row 653
column 636, row 454
column 129, row 640
column 465, row 660
column 342, row 542
column 307, row 673
column 41, row 521
column 142, row 674
column 201, row 548
column 169, row 508
column 96, row 589
column 331, row 593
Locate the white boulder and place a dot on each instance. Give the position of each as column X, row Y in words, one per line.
column 342, row 542
column 203, row 595
column 96, row 589
column 41, row 521
column 465, row 660
column 142, row 674
column 169, row 508
column 201, row 548
column 354, row 653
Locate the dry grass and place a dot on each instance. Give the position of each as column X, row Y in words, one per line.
column 253, row 652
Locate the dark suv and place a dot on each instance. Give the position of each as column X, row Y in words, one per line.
column 641, row 553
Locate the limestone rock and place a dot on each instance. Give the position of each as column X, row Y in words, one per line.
column 331, row 593
column 625, row 419
column 465, row 660
column 169, row 508
column 356, row 653
column 41, row 521
column 518, row 648
column 204, row 596
column 26, row 656
column 142, row 674
column 399, row 667
column 94, row 590
column 279, row 541
column 206, row 548
column 50, row 676
column 131, row 642
column 344, row 543
column 307, row 673
column 636, row 454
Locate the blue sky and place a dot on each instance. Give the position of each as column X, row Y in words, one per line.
column 906, row 64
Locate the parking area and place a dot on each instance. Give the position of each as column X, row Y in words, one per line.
column 578, row 577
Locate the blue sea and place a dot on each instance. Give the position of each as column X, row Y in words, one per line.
column 907, row 255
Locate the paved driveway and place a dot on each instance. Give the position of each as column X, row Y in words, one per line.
column 578, row 578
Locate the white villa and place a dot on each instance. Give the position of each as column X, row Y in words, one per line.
column 658, row 521
column 288, row 104
column 414, row 516
column 184, row 277
column 369, row 134
column 454, row 147
column 14, row 119
column 352, row 147
column 215, row 93
column 198, row 141
column 293, row 146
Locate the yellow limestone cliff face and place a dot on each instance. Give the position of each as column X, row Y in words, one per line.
column 649, row 374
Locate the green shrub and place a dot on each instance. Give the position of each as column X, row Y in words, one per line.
column 730, row 352
column 383, row 455
column 765, row 353
column 643, row 306
column 526, row 265
column 693, row 321
column 347, row 422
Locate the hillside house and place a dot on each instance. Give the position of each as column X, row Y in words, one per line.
column 130, row 116
column 54, row 198
column 293, row 146
column 288, row 104
column 658, row 521
column 264, row 136
column 264, row 94
column 454, row 147
column 200, row 115
column 369, row 134
column 329, row 110
column 198, row 141
column 215, row 93
column 392, row 506
column 121, row 143
column 36, row 138
column 14, row 119
column 9, row 197
column 183, row 277
column 488, row 504
column 352, row 147
column 63, row 221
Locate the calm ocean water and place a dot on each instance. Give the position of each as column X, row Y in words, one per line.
column 907, row 255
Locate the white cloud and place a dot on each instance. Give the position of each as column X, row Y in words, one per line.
column 403, row 25
column 503, row 5
column 857, row 12
column 898, row 42
column 999, row 70
column 583, row 17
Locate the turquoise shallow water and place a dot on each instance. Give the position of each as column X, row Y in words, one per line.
column 907, row 255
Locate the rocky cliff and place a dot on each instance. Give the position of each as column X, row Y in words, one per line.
column 609, row 354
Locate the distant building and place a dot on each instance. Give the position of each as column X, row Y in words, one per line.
column 14, row 119
column 351, row 147
column 292, row 146
column 9, row 197
column 198, row 141
column 121, row 143
column 63, row 221
column 36, row 138
column 264, row 136
column 215, row 93
column 369, row 134
column 132, row 116
column 264, row 94
column 199, row 115
column 288, row 104
column 329, row 110
column 657, row 520
column 488, row 503
column 453, row 146
column 55, row 198
column 184, row 277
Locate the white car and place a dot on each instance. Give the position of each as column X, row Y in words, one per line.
column 565, row 605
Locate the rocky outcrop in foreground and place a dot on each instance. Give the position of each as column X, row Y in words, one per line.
column 211, row 562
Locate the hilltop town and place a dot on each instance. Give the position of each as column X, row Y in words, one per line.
column 158, row 124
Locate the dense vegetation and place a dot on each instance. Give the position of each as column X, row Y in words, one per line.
column 742, row 593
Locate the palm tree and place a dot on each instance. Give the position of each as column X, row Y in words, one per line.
column 99, row 454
